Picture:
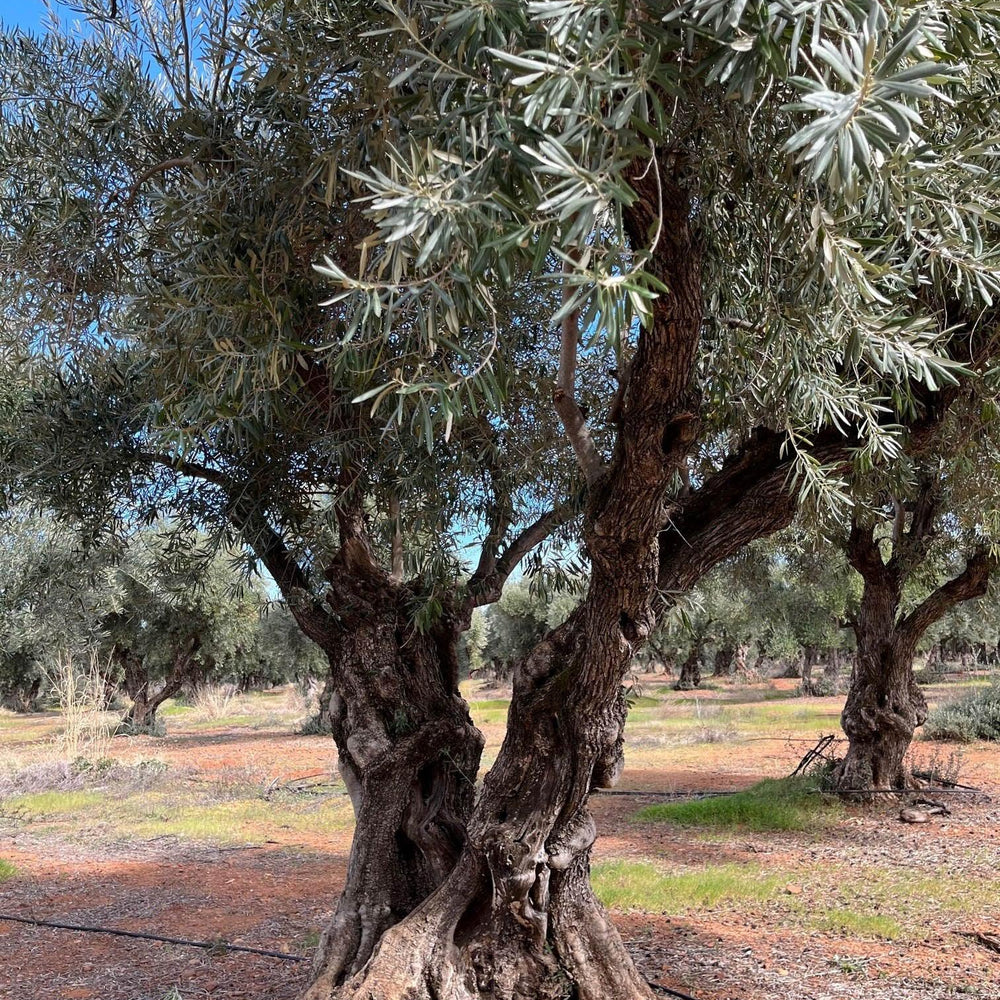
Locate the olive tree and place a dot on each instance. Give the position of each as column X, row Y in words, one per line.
column 719, row 243
column 50, row 602
column 768, row 213
column 922, row 545
column 176, row 617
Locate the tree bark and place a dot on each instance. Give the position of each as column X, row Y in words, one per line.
column 690, row 677
column 724, row 657
column 408, row 753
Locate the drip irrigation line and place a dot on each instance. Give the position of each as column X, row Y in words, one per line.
column 706, row 793
column 667, row 991
column 967, row 790
column 220, row 947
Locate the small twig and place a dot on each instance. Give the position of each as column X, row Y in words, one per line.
column 157, row 168
column 991, row 941
column 564, row 395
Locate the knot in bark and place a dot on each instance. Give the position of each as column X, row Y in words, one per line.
column 575, row 838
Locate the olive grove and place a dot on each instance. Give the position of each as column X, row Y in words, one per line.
column 637, row 281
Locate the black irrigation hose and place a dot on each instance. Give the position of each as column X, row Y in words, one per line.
column 709, row 793
column 217, row 946
column 223, row 946
column 909, row 791
column 667, row 991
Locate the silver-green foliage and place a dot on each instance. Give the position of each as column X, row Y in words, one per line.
column 168, row 177
column 842, row 158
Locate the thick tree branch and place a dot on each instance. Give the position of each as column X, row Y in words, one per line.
column 971, row 582
column 356, row 552
column 486, row 584
column 750, row 497
column 863, row 551
column 268, row 545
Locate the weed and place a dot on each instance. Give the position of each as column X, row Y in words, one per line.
column 213, row 702
column 851, row 964
column 7, row 870
column 80, row 690
column 640, row 885
column 973, row 716
column 853, row 924
column 775, row 804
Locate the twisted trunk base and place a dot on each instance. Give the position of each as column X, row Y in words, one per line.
column 466, row 943
column 516, row 918
column 884, row 708
column 409, row 754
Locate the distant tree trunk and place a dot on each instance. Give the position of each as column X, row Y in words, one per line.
column 740, row 660
column 690, row 677
column 831, row 672
column 810, row 657
column 724, row 657
column 22, row 695
column 884, row 704
column 141, row 715
column 794, row 668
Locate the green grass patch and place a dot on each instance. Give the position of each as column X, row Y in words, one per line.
column 852, row 924
column 640, row 885
column 644, row 701
column 7, row 870
column 490, row 712
column 170, row 709
column 235, row 821
column 43, row 805
column 775, row 804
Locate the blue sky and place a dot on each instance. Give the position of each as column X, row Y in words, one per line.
column 29, row 13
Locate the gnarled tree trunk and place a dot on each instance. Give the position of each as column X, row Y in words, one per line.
column 724, row 657
column 408, row 752
column 516, row 918
column 884, row 704
column 141, row 715
column 810, row 657
column 690, row 676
